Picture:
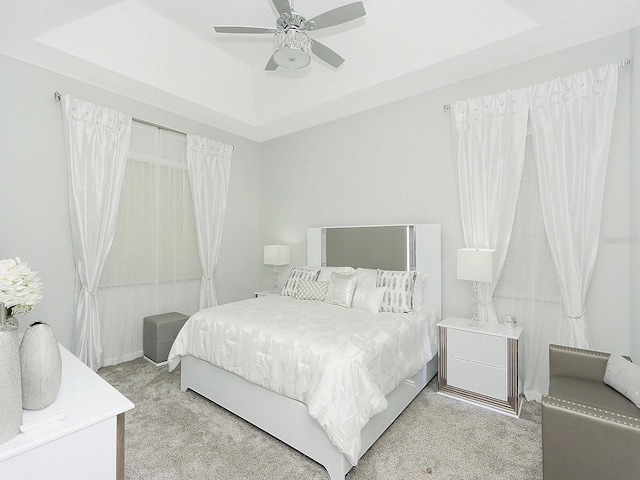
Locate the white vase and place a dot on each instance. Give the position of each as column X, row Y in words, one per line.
column 10, row 391
column 41, row 366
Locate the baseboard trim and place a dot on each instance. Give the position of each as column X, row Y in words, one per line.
column 161, row 364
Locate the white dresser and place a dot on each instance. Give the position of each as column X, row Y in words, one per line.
column 87, row 444
column 479, row 364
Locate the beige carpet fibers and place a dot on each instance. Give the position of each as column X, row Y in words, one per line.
column 180, row 435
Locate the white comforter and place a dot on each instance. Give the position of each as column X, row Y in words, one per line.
column 340, row 362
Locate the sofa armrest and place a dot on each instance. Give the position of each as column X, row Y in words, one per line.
column 580, row 441
column 592, row 412
column 577, row 363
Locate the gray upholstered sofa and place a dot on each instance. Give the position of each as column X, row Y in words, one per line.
column 589, row 430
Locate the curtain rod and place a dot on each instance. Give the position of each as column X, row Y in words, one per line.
column 58, row 97
column 625, row 63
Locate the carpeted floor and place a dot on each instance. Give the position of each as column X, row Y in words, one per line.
column 173, row 435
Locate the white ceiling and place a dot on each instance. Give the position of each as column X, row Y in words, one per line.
column 166, row 53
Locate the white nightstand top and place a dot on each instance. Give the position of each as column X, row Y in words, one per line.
column 263, row 293
column 498, row 329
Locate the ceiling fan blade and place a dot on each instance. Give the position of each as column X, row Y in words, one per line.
column 242, row 29
column 283, row 6
column 325, row 54
column 339, row 15
column 271, row 65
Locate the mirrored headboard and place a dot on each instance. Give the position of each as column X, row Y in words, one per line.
column 387, row 247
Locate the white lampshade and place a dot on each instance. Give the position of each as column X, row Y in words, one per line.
column 276, row 255
column 475, row 264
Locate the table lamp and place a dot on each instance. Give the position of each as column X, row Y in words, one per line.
column 475, row 265
column 276, row 255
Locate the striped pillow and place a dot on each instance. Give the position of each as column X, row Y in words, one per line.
column 295, row 276
column 310, row 290
column 398, row 295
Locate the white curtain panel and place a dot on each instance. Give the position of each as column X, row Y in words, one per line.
column 489, row 136
column 97, row 141
column 571, row 121
column 153, row 266
column 528, row 288
column 209, row 164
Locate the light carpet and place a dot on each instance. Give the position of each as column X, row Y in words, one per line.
column 176, row 435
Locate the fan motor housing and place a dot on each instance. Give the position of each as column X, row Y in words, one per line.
column 295, row 21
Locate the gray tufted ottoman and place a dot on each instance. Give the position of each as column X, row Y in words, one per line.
column 159, row 333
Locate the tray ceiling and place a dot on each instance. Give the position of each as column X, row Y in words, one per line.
column 166, row 53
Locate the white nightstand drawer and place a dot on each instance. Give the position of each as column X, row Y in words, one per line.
column 485, row 349
column 478, row 378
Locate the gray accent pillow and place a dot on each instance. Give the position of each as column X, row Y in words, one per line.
column 295, row 276
column 398, row 295
column 341, row 288
column 310, row 290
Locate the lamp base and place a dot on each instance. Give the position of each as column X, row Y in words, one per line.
column 275, row 278
column 475, row 319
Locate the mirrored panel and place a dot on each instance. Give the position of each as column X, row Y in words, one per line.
column 385, row 247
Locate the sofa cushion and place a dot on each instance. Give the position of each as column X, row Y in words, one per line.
column 595, row 394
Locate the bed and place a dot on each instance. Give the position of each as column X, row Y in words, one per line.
column 354, row 371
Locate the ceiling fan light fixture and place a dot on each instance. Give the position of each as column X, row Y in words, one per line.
column 292, row 48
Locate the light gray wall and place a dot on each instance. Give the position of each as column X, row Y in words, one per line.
column 634, row 237
column 34, row 211
column 394, row 164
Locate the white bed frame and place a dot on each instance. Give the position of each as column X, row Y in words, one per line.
column 288, row 419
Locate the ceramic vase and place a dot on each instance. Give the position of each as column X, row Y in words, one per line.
column 40, row 365
column 10, row 390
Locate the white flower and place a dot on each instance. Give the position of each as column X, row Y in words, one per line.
column 19, row 287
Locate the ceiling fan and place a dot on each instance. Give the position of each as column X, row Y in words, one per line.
column 292, row 47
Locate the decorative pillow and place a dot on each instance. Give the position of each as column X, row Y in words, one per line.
column 624, row 376
column 399, row 290
column 295, row 276
column 368, row 298
column 418, row 290
column 310, row 290
column 367, row 277
column 341, row 288
column 325, row 272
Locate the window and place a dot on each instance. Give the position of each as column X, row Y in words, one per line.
column 528, row 272
column 153, row 266
column 155, row 239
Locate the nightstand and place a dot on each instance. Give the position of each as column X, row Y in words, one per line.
column 479, row 364
column 265, row 293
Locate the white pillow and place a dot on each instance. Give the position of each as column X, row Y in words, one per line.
column 399, row 290
column 311, row 290
column 325, row 272
column 297, row 274
column 341, row 288
column 624, row 376
column 368, row 298
column 367, row 277
column 419, row 290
